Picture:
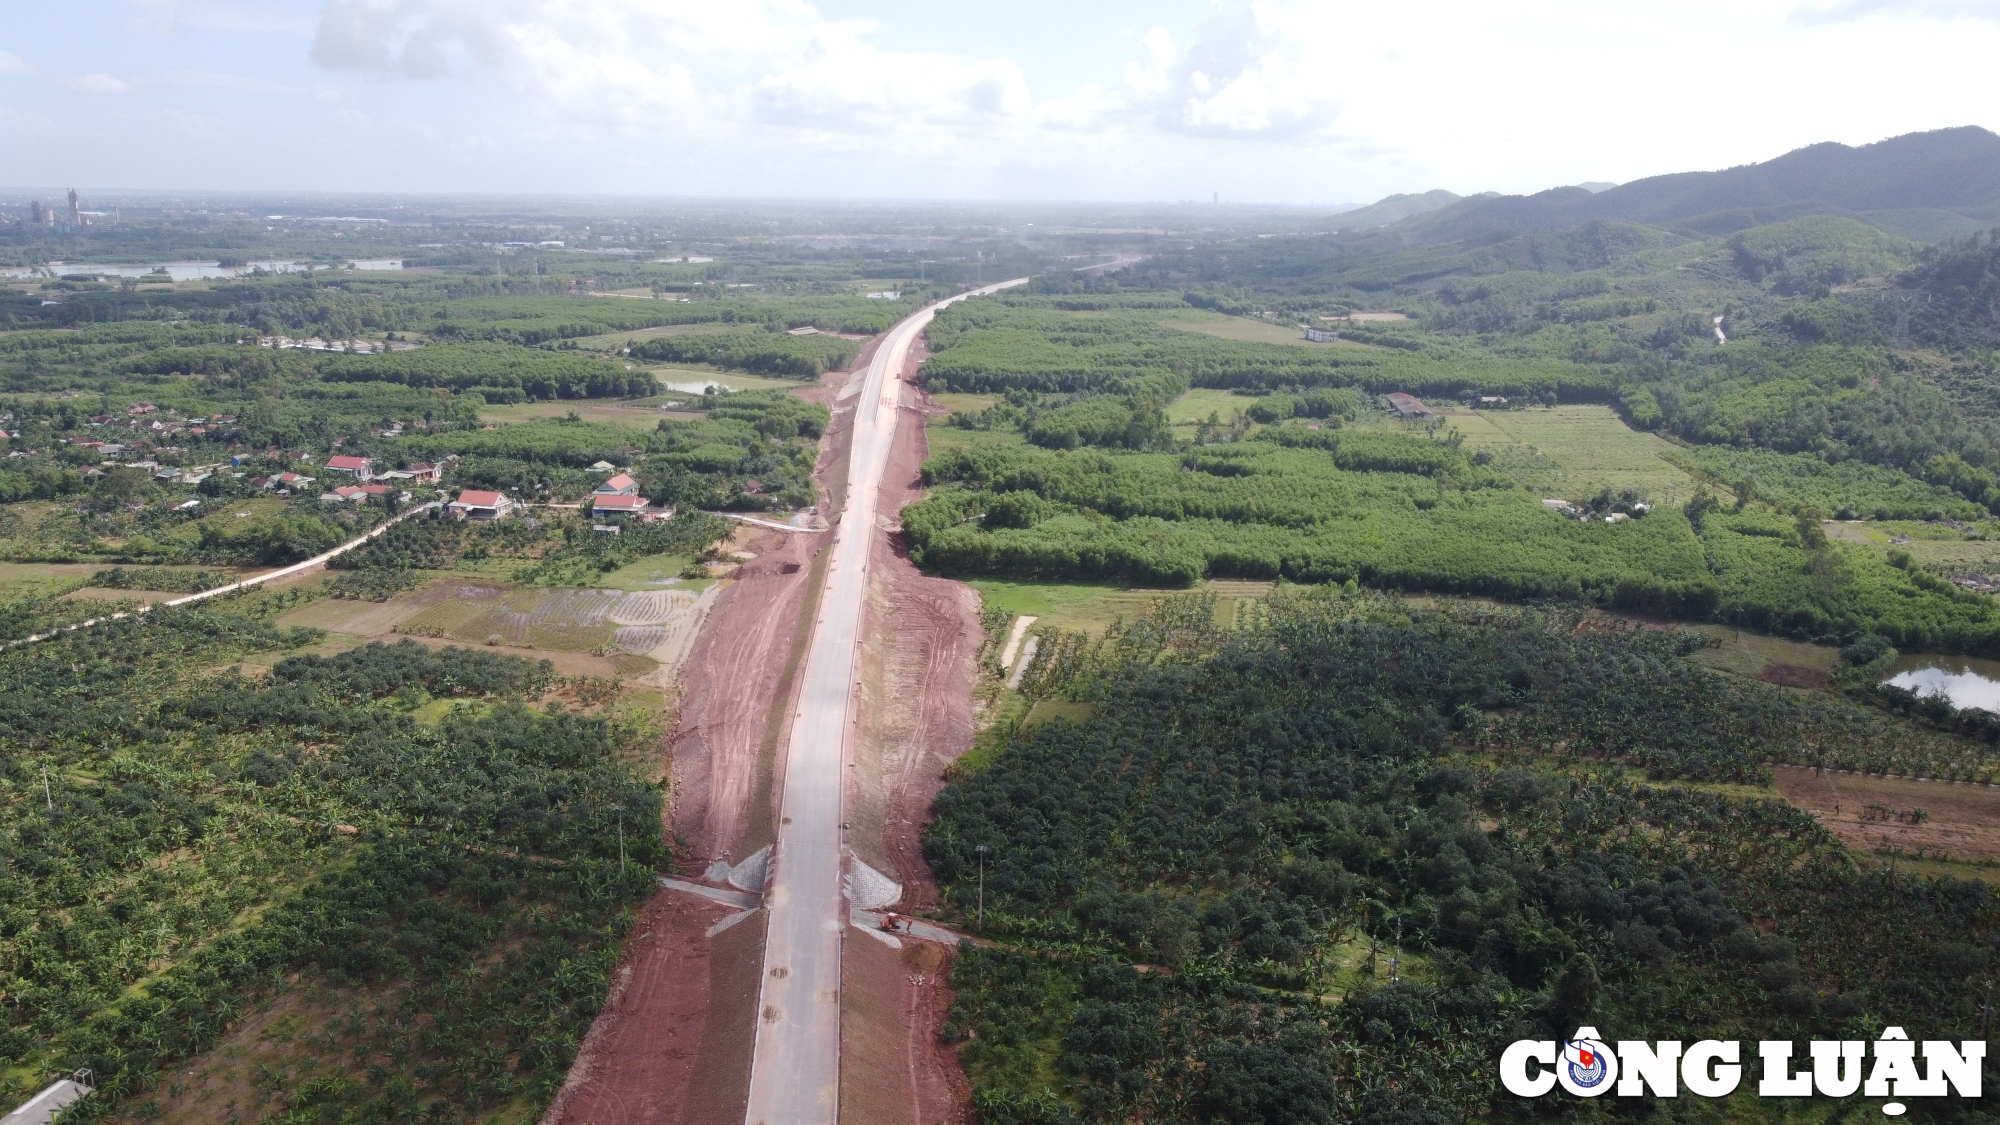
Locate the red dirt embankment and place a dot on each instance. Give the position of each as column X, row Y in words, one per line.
column 672, row 1044
column 922, row 638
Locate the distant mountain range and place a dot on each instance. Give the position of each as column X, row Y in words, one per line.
column 1396, row 208
column 1926, row 186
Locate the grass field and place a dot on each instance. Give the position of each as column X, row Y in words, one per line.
column 690, row 380
column 1930, row 545
column 1195, row 406
column 1093, row 607
column 1572, row 451
column 970, row 404
column 642, row 414
column 612, row 341
column 652, row 573
column 1243, row 328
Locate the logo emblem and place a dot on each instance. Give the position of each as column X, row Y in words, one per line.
column 1587, row 1065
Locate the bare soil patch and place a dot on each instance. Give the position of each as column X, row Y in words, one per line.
column 742, row 673
column 1959, row 822
column 1792, row 675
column 637, row 1065
column 894, row 1066
column 921, row 638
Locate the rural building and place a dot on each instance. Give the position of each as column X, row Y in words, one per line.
column 373, row 490
column 1322, row 335
column 288, row 480
column 344, row 494
column 359, row 466
column 604, row 467
column 473, row 504
column 620, row 485
column 617, row 505
column 1408, row 407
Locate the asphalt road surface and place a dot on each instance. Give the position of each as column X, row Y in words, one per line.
column 795, row 1070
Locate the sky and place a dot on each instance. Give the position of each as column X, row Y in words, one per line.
column 1308, row 102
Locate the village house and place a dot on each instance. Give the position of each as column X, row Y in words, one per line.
column 474, row 504
column 620, row 485
column 617, row 506
column 359, row 466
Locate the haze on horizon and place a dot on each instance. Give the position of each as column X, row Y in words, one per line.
column 1259, row 101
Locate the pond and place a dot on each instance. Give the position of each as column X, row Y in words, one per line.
column 1965, row 681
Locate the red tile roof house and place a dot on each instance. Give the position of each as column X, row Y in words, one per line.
column 618, row 505
column 424, row 470
column 620, row 485
column 473, row 504
column 384, row 490
column 359, row 466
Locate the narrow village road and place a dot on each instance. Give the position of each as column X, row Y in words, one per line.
column 795, row 1067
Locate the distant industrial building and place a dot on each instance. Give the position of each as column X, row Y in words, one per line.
column 1408, row 408
column 1322, row 335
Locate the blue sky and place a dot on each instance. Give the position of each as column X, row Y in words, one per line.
column 1277, row 101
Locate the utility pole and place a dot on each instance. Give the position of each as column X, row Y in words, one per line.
column 620, row 810
column 1396, row 959
column 981, row 849
column 47, row 795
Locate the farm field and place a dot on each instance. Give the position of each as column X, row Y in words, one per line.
column 1934, row 819
column 1251, row 331
column 690, row 380
column 1196, row 405
column 1571, row 452
column 635, row 413
column 1089, row 607
column 1932, row 545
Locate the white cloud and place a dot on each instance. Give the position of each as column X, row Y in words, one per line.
column 705, row 68
column 1845, row 11
column 102, row 83
column 14, row 66
column 172, row 17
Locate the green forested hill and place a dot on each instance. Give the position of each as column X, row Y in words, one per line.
column 1931, row 185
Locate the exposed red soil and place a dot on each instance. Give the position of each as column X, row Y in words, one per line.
column 743, row 663
column 639, row 1057
column 672, row 1044
column 889, row 1046
column 922, row 639
column 1868, row 813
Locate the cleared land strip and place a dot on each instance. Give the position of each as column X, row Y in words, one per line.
column 235, row 587
column 795, row 1067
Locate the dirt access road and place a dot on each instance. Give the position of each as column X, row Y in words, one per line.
column 795, row 1065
